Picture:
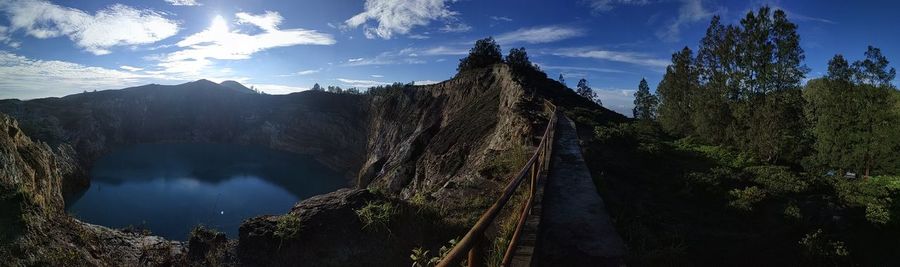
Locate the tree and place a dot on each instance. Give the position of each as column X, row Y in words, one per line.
column 853, row 113
column 486, row 52
column 644, row 102
column 317, row 87
column 674, row 91
column 584, row 90
column 335, row 89
column 518, row 58
column 562, row 80
column 874, row 69
column 718, row 82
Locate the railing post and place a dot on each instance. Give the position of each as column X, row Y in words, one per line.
column 476, row 254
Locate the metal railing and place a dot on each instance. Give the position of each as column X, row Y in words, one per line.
column 471, row 243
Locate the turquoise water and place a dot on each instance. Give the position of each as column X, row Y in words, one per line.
column 170, row 188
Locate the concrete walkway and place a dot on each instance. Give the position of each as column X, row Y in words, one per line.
column 575, row 229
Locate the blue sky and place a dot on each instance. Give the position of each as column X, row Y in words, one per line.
column 64, row 47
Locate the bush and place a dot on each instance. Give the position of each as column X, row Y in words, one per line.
column 485, row 53
column 777, row 179
column 287, row 227
column 377, row 214
column 818, row 247
column 746, row 198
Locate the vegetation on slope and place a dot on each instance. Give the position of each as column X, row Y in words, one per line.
column 740, row 164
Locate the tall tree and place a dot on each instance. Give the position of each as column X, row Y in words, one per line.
column 645, row 103
column 874, row 70
column 674, row 91
column 486, row 52
column 831, row 115
column 562, row 80
column 584, row 90
column 718, row 82
column 317, row 87
column 877, row 121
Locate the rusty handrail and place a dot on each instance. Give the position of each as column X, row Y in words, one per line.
column 468, row 244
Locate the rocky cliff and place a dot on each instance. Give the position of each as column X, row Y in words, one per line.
column 34, row 229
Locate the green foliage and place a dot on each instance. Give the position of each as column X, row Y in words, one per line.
column 792, row 211
column 420, row 257
column 287, row 227
column 585, row 90
column 376, row 214
column 645, row 103
column 777, row 179
column 746, row 198
column 506, row 162
column 486, row 52
column 821, row 249
column 674, row 93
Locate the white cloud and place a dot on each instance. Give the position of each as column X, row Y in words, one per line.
column 537, row 35
column 616, row 56
column 445, row 51
column 361, row 83
column 501, row 18
column 219, row 42
column 130, row 68
column 308, row 72
column 607, row 5
column 183, row 2
column 30, row 78
column 398, row 16
column 581, row 69
column 456, row 27
column 376, row 76
column 277, row 89
column 690, row 11
column 115, row 25
column 417, row 36
column 404, row 56
column 426, row 82
column 618, row 100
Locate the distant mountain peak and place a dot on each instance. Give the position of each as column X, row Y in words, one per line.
column 236, row 86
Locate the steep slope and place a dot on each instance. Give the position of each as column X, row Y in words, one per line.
column 236, row 86
column 435, row 139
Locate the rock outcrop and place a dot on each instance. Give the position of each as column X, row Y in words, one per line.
column 34, row 229
column 433, row 140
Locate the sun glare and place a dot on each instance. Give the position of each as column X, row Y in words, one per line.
column 219, row 25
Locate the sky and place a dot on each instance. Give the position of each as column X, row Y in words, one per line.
column 56, row 48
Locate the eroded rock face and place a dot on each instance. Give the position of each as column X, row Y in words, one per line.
column 34, row 229
column 432, row 139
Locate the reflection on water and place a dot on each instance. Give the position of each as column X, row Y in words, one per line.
column 169, row 188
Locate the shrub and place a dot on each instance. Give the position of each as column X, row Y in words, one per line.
column 376, row 213
column 287, row 227
column 816, row 246
column 777, row 179
column 746, row 198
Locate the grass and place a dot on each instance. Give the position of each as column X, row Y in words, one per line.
column 376, row 214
